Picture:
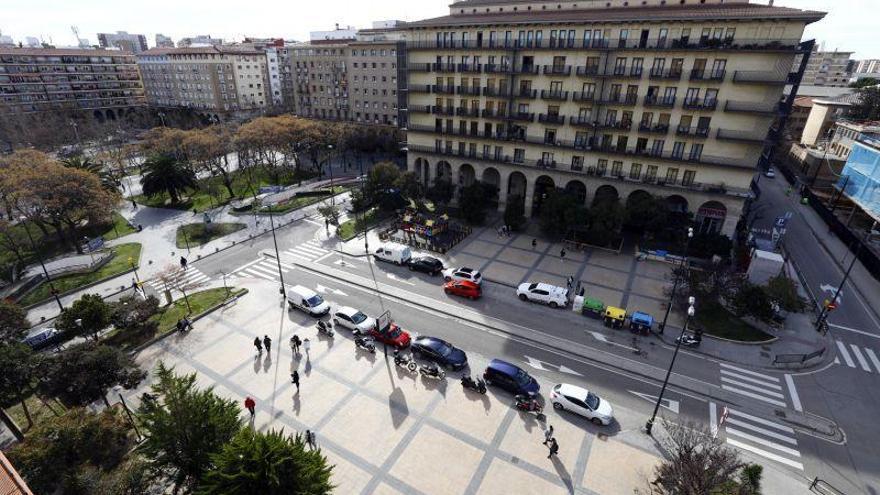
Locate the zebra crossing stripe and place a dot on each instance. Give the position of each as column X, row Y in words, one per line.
column 298, row 256
column 860, row 358
column 845, row 354
column 764, row 453
column 308, row 250
column 766, row 443
column 257, row 274
column 752, row 387
column 750, row 379
column 766, row 422
column 268, row 270
column 763, row 431
column 754, row 396
column 873, row 358
column 749, row 372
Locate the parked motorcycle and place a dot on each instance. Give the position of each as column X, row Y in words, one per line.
column 528, row 404
column 365, row 343
column 478, row 385
column 691, row 340
column 432, row 371
column 404, row 361
column 325, row 328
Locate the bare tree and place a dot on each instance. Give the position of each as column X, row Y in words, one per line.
column 177, row 278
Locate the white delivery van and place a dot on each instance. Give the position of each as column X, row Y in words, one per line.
column 393, row 253
column 305, row 299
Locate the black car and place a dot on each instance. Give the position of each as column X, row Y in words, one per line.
column 439, row 351
column 43, row 338
column 426, row 264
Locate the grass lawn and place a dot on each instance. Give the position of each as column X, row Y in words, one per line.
column 168, row 315
column 121, row 227
column 118, row 264
column 349, row 229
column 718, row 321
column 197, row 234
column 40, row 411
column 301, row 202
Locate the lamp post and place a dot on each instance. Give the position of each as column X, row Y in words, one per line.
column 277, row 256
column 162, row 118
column 45, row 272
column 690, row 313
column 684, row 261
column 330, row 160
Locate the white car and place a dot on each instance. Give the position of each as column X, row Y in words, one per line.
column 550, row 295
column 770, row 173
column 463, row 273
column 583, row 402
column 352, row 319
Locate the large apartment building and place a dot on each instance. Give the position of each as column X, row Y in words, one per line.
column 605, row 99
column 219, row 82
column 829, row 68
column 124, row 41
column 105, row 83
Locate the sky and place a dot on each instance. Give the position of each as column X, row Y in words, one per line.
column 849, row 26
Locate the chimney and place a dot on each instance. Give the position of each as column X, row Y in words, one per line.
column 337, row 26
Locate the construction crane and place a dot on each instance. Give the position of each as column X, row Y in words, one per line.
column 79, row 41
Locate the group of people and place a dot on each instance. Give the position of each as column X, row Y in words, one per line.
column 266, row 342
column 504, row 231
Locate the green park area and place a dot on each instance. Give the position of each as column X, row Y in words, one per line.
column 196, row 234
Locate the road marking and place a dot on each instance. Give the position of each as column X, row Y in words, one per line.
column 713, row 423
column 247, row 264
column 845, row 354
column 861, row 359
column 672, row 405
column 319, row 224
column 753, row 380
column 832, row 289
column 396, row 279
column 792, row 391
column 762, row 421
column 763, row 431
column 601, row 338
column 724, row 379
column 307, row 249
column 873, row 358
column 848, row 329
column 754, row 396
column 761, row 441
column 267, row 270
column 322, row 257
column 538, row 365
column 766, row 454
column 285, row 265
column 257, row 274
column 753, row 373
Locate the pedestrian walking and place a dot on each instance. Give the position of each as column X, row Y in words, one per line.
column 307, row 344
column 570, row 282
column 500, row 231
column 309, row 439
column 327, row 225
column 507, row 230
column 250, row 405
column 534, row 243
column 294, row 378
column 258, row 344
column 562, row 254
column 548, row 433
column 554, row 448
column 578, row 291
column 267, row 342
column 294, row 344
column 183, row 262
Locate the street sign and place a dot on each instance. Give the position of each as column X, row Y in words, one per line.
column 95, row 243
column 384, row 320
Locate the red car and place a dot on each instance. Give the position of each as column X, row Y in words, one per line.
column 391, row 335
column 464, row 288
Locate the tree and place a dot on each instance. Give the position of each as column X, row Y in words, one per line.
column 174, row 277
column 408, row 185
column 82, row 373
column 88, row 315
column 267, row 463
column 514, row 212
column 646, row 213
column 330, row 213
column 130, row 477
column 185, row 426
column 783, row 291
column 13, row 322
column 165, row 174
column 380, row 180
column 707, row 245
column 56, row 449
column 752, row 300
column 700, row 464
column 108, row 180
column 133, row 311
column 864, row 82
column 605, row 216
column 868, row 105
column 711, row 284
column 560, row 211
column 441, row 192
column 19, row 365
column 209, row 148
column 473, row 201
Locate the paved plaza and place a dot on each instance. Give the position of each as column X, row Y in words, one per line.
column 388, row 431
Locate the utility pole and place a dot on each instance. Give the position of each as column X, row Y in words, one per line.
column 690, row 314
column 684, row 262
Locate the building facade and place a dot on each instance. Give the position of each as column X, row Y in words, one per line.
column 200, row 40
column 104, row 82
column 845, row 134
column 860, row 178
column 602, row 99
column 218, row 82
column 320, row 71
column 829, row 68
column 124, row 41
column 163, row 41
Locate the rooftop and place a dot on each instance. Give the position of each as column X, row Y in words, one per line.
column 200, row 50
column 62, row 51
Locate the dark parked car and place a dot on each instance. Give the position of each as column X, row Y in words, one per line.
column 511, row 378
column 426, row 264
column 439, row 351
column 43, row 338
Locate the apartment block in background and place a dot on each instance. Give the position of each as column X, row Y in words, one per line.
column 832, row 68
column 201, row 40
column 163, row 41
column 124, row 41
column 104, row 82
column 606, row 100
column 218, row 82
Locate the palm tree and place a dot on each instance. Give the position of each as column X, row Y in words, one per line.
column 164, row 173
column 108, row 181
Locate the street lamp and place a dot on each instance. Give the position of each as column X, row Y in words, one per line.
column 677, row 279
column 45, row 272
column 690, row 314
column 330, row 160
column 223, row 274
column 162, row 118
column 277, row 256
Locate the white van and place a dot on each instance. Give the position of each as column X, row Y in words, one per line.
column 393, row 253
column 305, row 299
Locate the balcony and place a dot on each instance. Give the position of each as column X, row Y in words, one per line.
column 493, row 114
column 521, row 117
column 764, row 77
column 468, row 90
column 654, row 128
column 438, row 110
column 557, row 70
column 588, row 70
column 744, row 136
column 707, row 75
column 623, row 73
column 547, row 94
column 664, row 43
column 700, row 104
column 419, row 88
column 442, row 89
column 542, row 163
column 526, row 69
column 496, row 92
column 411, row 109
column 659, row 101
column 622, row 125
column 497, row 69
column 628, row 100
column 758, row 107
column 583, row 96
column 700, row 132
column 475, row 68
column 667, row 74
column 546, row 118
column 526, row 93
column 443, row 67
column 416, row 67
column 582, row 122
column 467, row 112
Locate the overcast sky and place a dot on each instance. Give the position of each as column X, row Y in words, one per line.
column 851, row 25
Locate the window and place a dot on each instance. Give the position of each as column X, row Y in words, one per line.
column 617, row 169
column 696, row 151
column 671, row 175
column 577, row 163
column 651, row 173
column 547, row 159
column 635, row 171
column 620, row 66
column 519, row 155
column 601, row 167
column 688, row 178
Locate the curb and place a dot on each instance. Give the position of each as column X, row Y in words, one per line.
column 266, row 214
column 197, row 317
column 80, row 288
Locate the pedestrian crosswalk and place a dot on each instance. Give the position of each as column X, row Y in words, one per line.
column 265, row 268
column 762, row 437
column 854, row 356
column 766, row 388
column 191, row 277
column 307, row 251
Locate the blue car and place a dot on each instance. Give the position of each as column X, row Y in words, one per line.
column 511, row 378
column 439, row 351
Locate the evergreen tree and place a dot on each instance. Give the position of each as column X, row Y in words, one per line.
column 87, row 316
column 165, row 174
column 269, row 464
column 82, row 373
